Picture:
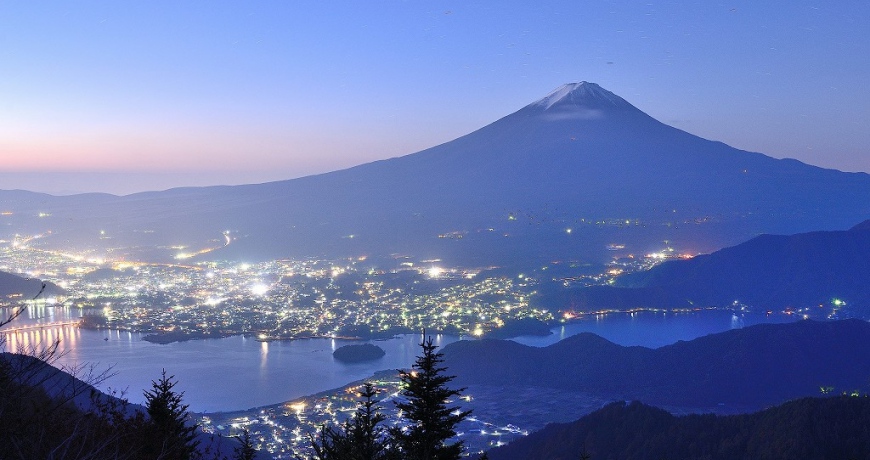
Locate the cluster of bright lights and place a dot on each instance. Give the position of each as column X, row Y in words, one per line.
column 259, row 289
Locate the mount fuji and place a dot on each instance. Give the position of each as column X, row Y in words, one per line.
column 560, row 179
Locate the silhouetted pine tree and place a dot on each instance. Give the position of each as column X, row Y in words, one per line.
column 173, row 437
column 359, row 438
column 432, row 423
column 366, row 434
column 246, row 450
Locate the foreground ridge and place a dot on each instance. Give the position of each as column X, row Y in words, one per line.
column 810, row 428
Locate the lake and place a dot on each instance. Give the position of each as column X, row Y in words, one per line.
column 240, row 373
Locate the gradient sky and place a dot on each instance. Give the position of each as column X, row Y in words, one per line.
column 146, row 95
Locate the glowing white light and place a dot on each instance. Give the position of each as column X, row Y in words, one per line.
column 259, row 289
column 435, row 272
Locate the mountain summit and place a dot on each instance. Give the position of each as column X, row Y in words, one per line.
column 582, row 95
column 559, row 179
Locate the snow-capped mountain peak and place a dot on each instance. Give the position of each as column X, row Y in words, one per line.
column 581, row 94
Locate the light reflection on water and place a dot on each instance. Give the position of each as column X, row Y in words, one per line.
column 240, row 373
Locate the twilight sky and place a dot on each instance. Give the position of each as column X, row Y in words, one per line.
column 146, row 95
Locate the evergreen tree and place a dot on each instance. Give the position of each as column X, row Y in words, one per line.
column 246, row 450
column 359, row 438
column 431, row 422
column 333, row 444
column 173, row 437
column 365, row 434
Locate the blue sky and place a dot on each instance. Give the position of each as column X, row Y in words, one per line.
column 130, row 96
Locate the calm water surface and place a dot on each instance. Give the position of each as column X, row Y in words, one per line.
column 240, row 373
column 653, row 330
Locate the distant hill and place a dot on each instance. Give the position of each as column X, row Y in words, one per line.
column 807, row 429
column 24, row 288
column 734, row 371
column 769, row 271
column 581, row 159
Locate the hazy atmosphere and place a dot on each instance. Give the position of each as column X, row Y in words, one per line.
column 120, row 98
column 434, row 230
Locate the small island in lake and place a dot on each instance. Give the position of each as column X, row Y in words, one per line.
column 358, row 353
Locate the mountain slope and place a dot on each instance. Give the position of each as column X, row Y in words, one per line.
column 46, row 412
column 24, row 288
column 735, row 370
column 811, row 428
column 769, row 271
column 580, row 158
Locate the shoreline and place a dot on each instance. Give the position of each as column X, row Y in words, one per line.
column 539, row 329
column 381, row 374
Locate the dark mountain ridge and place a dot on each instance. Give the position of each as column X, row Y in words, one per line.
column 810, row 428
column 769, row 271
column 580, row 158
column 737, row 370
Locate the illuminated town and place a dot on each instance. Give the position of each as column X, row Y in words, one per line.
column 288, row 299
column 284, row 429
column 292, row 299
column 280, row 299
